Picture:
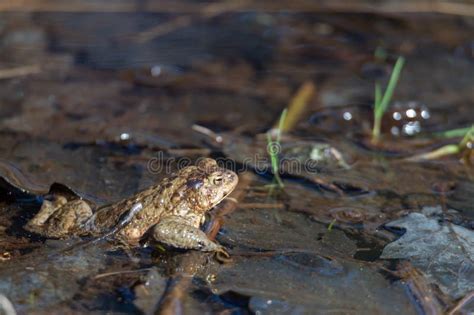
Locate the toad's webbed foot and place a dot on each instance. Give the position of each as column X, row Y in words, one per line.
column 48, row 208
column 60, row 218
column 176, row 232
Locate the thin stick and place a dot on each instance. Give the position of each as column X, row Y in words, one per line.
column 19, row 71
column 261, row 205
column 461, row 303
column 208, row 132
column 121, row 272
column 6, row 306
column 207, row 12
column 164, row 28
column 419, row 288
column 297, row 106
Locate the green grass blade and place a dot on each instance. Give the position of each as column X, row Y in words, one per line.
column 378, row 94
column 280, row 124
column 331, row 225
column 454, row 133
column 469, row 136
column 392, row 83
column 380, row 54
column 377, row 119
column 274, row 160
column 436, row 154
column 447, row 149
column 382, row 102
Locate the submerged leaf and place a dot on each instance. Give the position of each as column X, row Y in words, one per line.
column 444, row 254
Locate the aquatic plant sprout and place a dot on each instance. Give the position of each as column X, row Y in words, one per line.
column 331, row 224
column 454, row 133
column 381, row 102
column 274, row 149
column 380, row 54
column 468, row 138
column 449, row 149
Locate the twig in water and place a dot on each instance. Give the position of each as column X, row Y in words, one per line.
column 208, row 132
column 6, row 306
column 19, row 71
column 261, row 205
column 120, row 272
column 207, row 12
column 465, row 300
column 298, row 105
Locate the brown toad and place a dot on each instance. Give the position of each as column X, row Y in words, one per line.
column 173, row 210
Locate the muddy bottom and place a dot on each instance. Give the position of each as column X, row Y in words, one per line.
column 102, row 102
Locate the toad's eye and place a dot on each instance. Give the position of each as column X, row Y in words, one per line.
column 217, row 180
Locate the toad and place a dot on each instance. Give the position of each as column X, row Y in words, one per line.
column 171, row 211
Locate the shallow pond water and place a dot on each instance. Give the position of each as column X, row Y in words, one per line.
column 102, row 101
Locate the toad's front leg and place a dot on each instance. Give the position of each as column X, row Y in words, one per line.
column 177, row 232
